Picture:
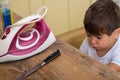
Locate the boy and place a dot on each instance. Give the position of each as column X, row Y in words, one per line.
column 102, row 26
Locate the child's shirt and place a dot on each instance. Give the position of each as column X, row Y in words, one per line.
column 113, row 55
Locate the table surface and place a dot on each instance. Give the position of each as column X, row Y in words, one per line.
column 71, row 65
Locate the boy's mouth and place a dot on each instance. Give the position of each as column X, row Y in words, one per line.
column 95, row 47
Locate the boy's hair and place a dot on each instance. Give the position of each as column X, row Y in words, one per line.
column 102, row 17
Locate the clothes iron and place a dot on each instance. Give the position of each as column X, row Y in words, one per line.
column 18, row 42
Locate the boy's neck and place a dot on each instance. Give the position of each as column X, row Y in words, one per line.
column 101, row 53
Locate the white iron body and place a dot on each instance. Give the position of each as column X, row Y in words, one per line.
column 16, row 45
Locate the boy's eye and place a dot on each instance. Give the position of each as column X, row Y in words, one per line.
column 99, row 37
column 88, row 35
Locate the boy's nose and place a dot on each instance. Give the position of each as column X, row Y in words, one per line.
column 92, row 40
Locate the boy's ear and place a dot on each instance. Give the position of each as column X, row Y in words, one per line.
column 116, row 33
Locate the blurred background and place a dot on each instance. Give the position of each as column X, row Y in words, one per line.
column 62, row 16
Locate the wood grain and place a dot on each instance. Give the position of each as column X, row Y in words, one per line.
column 71, row 65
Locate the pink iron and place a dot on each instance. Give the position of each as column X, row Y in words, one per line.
column 16, row 43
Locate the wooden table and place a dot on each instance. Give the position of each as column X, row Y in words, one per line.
column 71, row 65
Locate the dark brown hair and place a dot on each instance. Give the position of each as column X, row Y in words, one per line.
column 102, row 17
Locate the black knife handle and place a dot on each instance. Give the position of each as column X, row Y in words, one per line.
column 44, row 62
column 52, row 56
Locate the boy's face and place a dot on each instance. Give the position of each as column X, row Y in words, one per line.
column 102, row 42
